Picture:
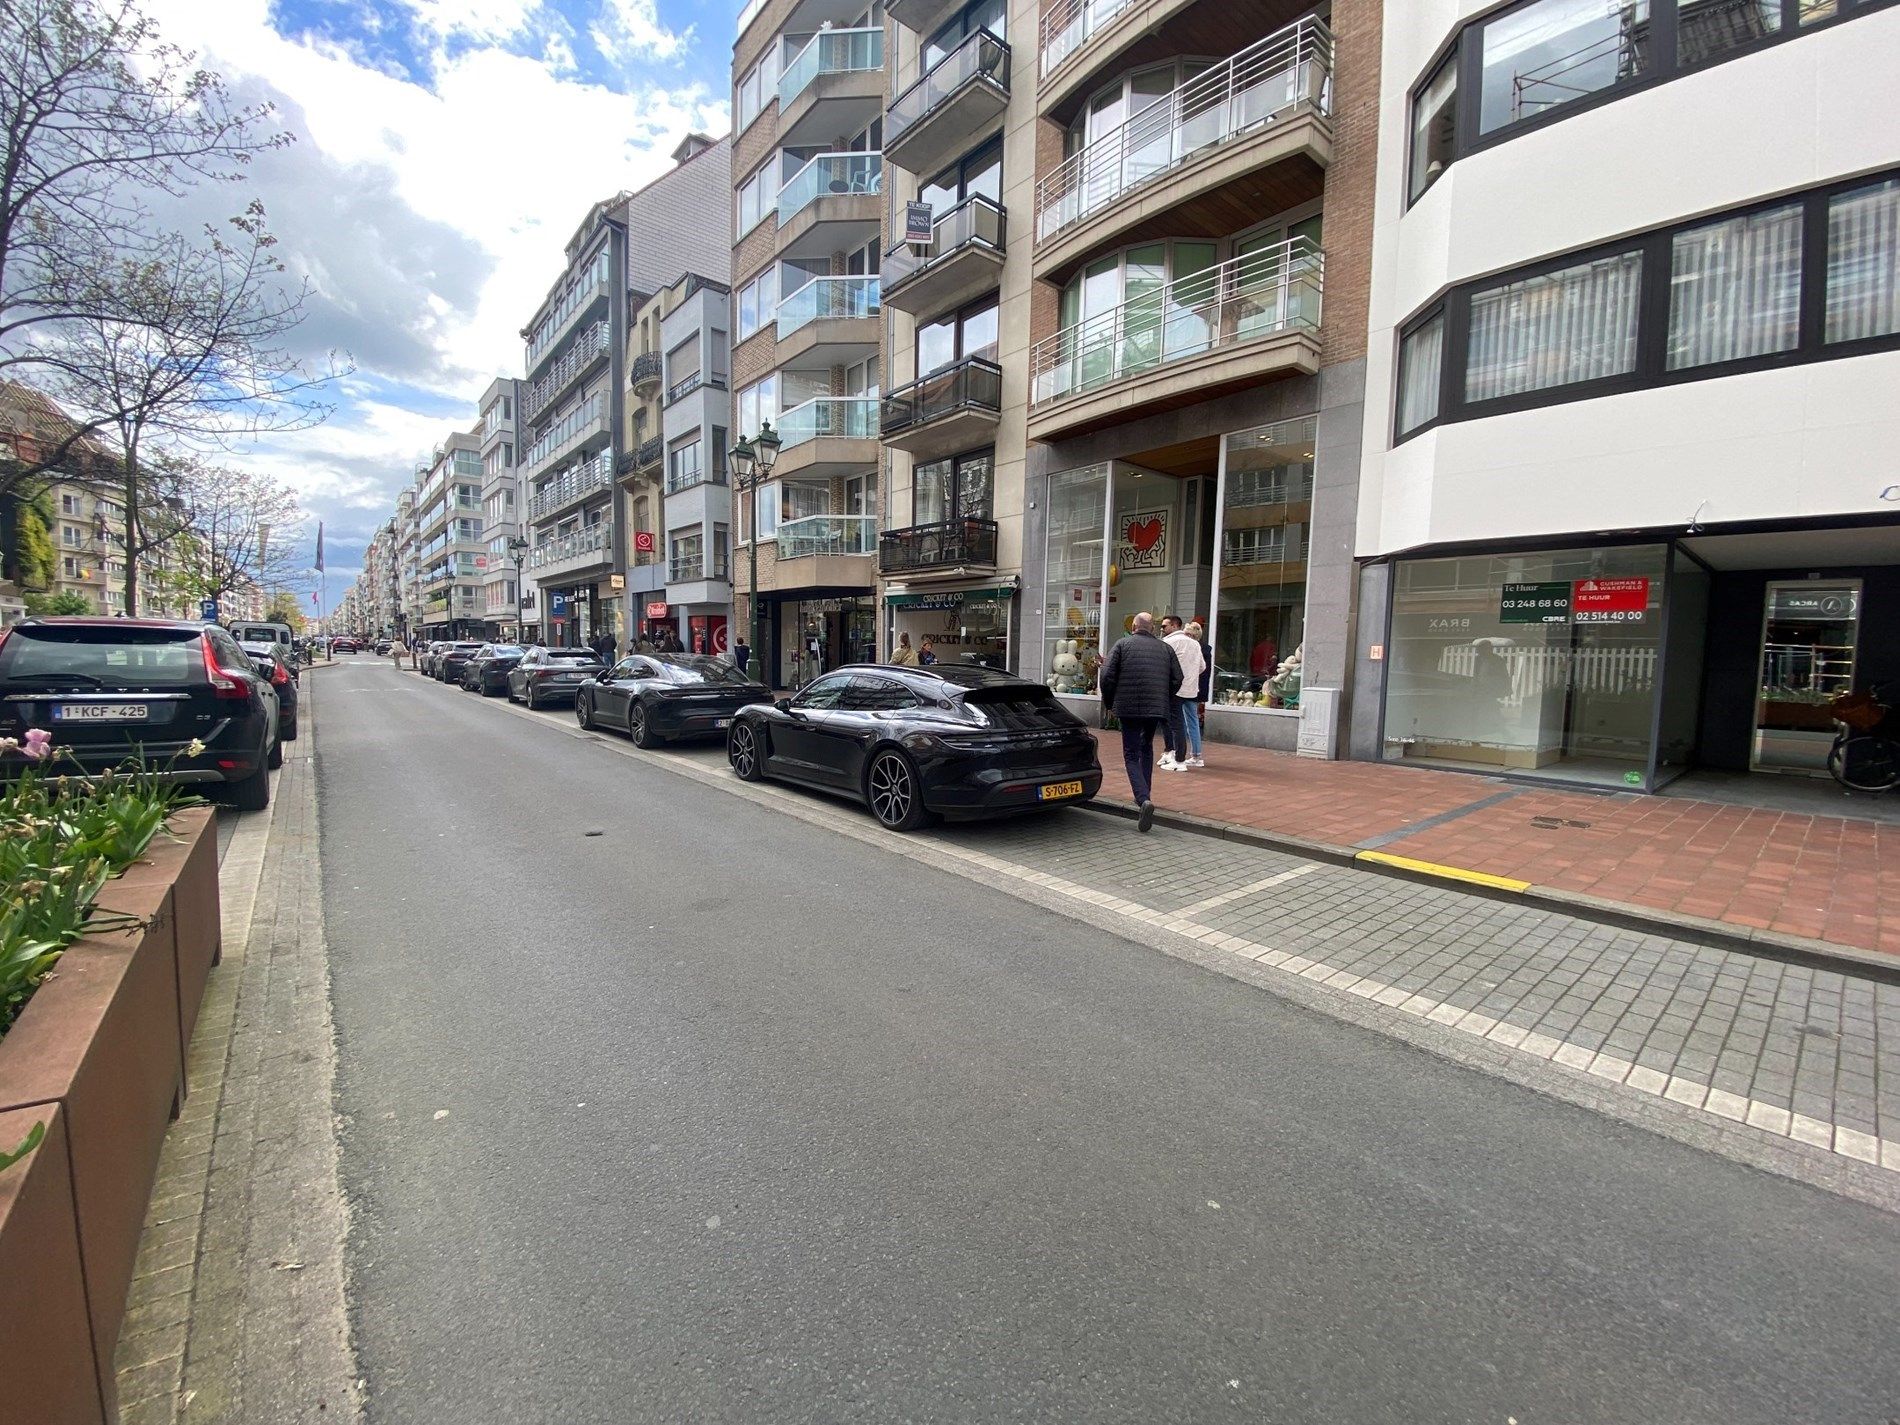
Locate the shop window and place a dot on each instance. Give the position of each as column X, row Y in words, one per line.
column 1863, row 262
column 1072, row 593
column 1266, row 519
column 1735, row 288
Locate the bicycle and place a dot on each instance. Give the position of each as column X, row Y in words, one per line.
column 1865, row 756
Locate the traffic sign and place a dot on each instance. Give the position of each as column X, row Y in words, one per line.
column 208, row 610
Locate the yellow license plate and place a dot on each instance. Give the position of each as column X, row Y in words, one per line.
column 1056, row 791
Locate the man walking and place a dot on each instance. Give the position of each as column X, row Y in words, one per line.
column 1184, row 725
column 1138, row 680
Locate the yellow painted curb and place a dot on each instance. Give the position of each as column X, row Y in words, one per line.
column 1450, row 873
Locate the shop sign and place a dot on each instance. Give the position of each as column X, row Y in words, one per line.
column 643, row 541
column 1821, row 604
column 557, row 604
column 657, row 609
column 917, row 224
column 616, row 582
column 1535, row 603
column 1143, row 541
column 1609, row 600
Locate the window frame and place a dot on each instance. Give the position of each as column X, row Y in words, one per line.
column 1651, row 369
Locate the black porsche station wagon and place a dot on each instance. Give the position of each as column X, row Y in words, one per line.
column 655, row 697
column 912, row 743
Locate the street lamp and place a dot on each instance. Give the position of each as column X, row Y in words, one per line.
column 752, row 462
column 518, row 547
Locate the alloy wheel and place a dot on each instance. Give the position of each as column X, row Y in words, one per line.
column 583, row 711
column 637, row 725
column 893, row 790
column 743, row 752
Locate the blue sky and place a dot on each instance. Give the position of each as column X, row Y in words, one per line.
column 445, row 150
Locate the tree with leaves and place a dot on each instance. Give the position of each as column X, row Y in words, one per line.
column 63, row 604
column 283, row 608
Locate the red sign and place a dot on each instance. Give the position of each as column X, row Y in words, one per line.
column 1609, row 600
column 643, row 541
column 656, row 610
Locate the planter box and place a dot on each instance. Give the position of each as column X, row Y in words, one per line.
column 52, row 1369
column 102, row 1045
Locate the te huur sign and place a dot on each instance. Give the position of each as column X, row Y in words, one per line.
column 1535, row 603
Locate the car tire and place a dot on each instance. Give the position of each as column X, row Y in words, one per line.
column 251, row 794
column 275, row 758
column 529, row 698
column 637, row 729
column 745, row 752
column 892, row 791
column 584, row 712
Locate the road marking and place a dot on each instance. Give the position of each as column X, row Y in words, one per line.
column 1215, row 902
column 1449, row 873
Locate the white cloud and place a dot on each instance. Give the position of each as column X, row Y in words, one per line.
column 629, row 29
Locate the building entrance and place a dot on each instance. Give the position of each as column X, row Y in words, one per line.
column 1809, row 642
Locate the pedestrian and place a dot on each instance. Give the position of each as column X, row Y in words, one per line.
column 1198, row 632
column 1137, row 682
column 396, row 654
column 742, row 654
column 1185, row 726
column 699, row 644
column 927, row 654
column 904, row 656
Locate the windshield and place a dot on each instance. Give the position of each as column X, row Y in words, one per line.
column 695, row 669
column 103, row 657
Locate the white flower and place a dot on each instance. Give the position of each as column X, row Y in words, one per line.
column 194, row 748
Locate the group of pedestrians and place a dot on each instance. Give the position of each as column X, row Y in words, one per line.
column 904, row 656
column 1152, row 683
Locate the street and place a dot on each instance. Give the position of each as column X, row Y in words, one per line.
column 658, row 1107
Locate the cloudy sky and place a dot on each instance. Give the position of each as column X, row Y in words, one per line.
column 446, row 150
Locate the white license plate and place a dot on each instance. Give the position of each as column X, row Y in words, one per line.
column 722, row 722
column 99, row 712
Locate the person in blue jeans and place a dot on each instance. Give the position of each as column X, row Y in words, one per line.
column 1137, row 684
column 1184, row 721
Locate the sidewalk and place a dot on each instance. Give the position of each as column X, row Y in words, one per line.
column 1807, row 882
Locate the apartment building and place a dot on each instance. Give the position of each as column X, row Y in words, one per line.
column 591, row 468
column 406, row 569
column 809, row 214
column 504, row 605
column 1629, row 503
column 695, row 417
column 449, row 539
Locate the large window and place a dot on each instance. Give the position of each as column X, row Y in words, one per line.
column 1072, row 592
column 758, row 302
column 1266, row 521
column 948, row 340
column 1541, row 59
column 1709, row 298
column 956, row 488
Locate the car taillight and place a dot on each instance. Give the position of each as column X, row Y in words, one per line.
column 278, row 676
column 223, row 684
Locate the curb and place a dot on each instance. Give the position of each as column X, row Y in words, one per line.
column 1769, row 944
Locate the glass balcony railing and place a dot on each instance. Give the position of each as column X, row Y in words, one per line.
column 827, row 298
column 829, row 418
column 830, row 52
column 973, row 223
column 1284, row 75
column 575, row 423
column 937, row 546
column 981, row 56
column 973, row 384
column 588, row 348
column 827, row 174
column 576, row 484
column 590, row 541
column 1245, row 298
column 827, row 534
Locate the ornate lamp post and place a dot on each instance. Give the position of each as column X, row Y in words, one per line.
column 518, row 547
column 751, row 463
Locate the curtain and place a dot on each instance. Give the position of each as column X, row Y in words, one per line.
column 1420, row 366
column 1576, row 324
column 1863, row 263
column 1736, row 289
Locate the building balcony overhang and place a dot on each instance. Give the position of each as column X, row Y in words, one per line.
column 840, row 102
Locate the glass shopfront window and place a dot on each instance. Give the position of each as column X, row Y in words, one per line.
column 1266, row 516
column 1072, row 593
column 1543, row 662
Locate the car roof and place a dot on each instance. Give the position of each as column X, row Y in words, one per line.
column 96, row 621
column 942, row 678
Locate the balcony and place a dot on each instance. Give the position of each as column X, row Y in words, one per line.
column 592, row 286
column 1248, row 320
column 588, row 350
column 1251, row 135
column 922, row 17
column 572, row 486
column 963, row 259
column 830, row 321
column 829, row 435
column 693, row 568
column 947, row 411
column 577, row 429
column 823, row 551
column 570, row 552
column 832, row 204
column 834, row 85
column 950, row 545
column 678, row 481
column 648, row 370
column 691, row 382
column 951, row 107
column 643, row 459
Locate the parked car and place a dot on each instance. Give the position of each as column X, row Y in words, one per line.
column 247, row 631
column 270, row 659
column 914, row 743
column 551, row 675
column 383, row 646
column 487, row 671
column 430, row 651
column 454, row 658
column 344, row 645
column 118, row 689
column 655, row 697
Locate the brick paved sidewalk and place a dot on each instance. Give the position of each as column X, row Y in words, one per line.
column 1828, row 879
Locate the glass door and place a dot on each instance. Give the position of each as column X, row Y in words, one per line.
column 1810, row 633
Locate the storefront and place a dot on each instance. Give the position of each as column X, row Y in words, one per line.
column 817, row 634
column 963, row 625
column 1627, row 665
column 1224, row 543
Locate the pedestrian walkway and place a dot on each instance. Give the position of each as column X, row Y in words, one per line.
column 1790, row 876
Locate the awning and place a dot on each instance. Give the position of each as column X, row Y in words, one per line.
column 948, row 598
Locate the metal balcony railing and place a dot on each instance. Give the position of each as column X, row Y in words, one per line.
column 576, row 484
column 829, row 173
column 973, row 384
column 588, row 285
column 973, row 223
column 648, row 367
column 688, row 567
column 592, row 540
column 830, row 52
column 691, row 382
column 686, row 479
column 827, row 534
column 1286, row 74
column 589, row 347
column 574, row 423
column 1274, row 290
column 829, row 418
column 980, row 57
column 824, row 298
column 937, row 546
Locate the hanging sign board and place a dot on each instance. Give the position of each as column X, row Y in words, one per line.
column 1535, row 603
column 917, row 224
column 1609, row 600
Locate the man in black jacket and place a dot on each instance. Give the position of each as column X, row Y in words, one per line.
column 1137, row 685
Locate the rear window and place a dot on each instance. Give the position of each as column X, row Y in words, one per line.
column 697, row 669
column 103, row 657
column 557, row 655
column 1021, row 708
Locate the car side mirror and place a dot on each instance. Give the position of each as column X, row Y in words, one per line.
column 784, row 705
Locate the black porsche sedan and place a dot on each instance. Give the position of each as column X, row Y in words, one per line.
column 657, row 697
column 487, row 672
column 453, row 659
column 912, row 743
column 550, row 675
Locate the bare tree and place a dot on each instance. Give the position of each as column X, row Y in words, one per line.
column 243, row 533
column 99, row 119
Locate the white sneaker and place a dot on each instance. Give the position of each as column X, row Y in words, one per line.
column 1167, row 762
column 1195, row 762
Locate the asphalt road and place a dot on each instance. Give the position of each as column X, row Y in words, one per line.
column 746, row 1121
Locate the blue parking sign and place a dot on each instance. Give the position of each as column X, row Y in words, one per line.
column 208, row 610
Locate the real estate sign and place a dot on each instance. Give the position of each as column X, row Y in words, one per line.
column 1535, row 603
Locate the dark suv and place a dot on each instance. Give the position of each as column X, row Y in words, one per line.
column 113, row 690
